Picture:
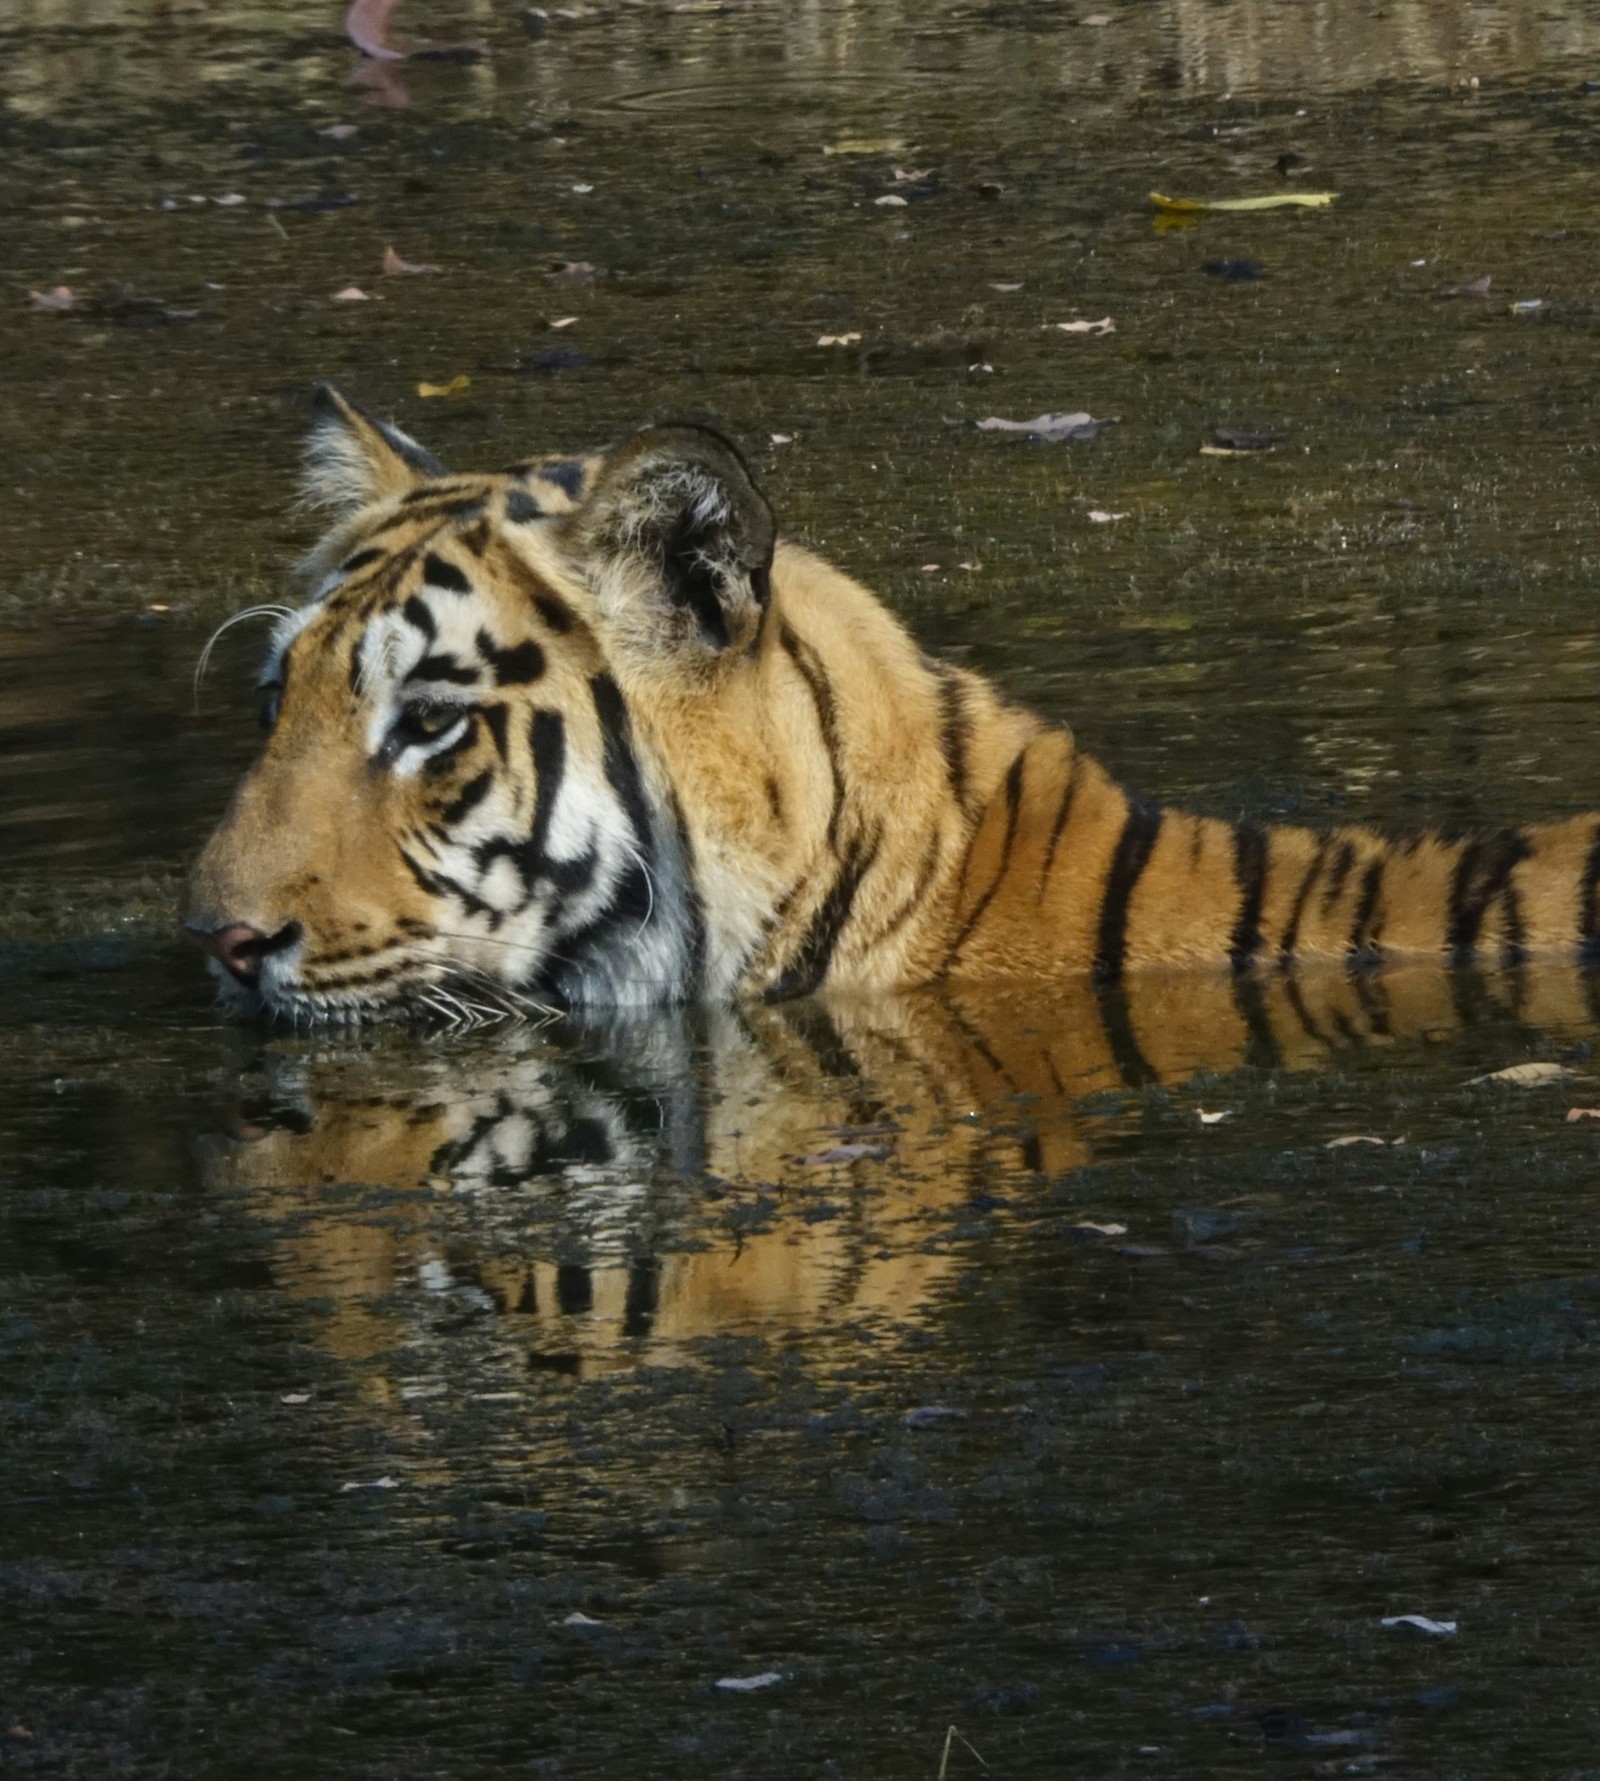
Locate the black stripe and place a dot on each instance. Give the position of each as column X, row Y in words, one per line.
column 360, row 560
column 1363, row 948
column 547, row 736
column 1013, row 809
column 1132, row 855
column 438, row 884
column 808, row 965
column 521, row 507
column 565, row 474
column 620, row 762
column 467, row 799
column 557, row 614
column 694, row 908
column 1291, row 932
column 494, row 717
column 1250, row 873
column 953, row 728
column 818, row 685
column 1588, row 931
column 1250, row 998
column 419, row 615
column 1482, row 873
column 518, row 665
column 1343, row 860
column 1058, row 827
column 1116, row 1021
column 438, row 573
column 444, row 668
column 1514, row 943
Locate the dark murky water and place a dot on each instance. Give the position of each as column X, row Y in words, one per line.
column 406, row 1405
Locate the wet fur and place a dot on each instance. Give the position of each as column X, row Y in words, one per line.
column 702, row 765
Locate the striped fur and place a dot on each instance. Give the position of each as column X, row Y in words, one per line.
column 581, row 732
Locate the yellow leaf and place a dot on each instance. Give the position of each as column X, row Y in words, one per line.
column 1275, row 201
column 455, row 387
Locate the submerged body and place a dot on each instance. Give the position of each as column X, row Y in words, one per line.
column 582, row 731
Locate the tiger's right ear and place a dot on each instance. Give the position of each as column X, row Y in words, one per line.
column 353, row 460
column 676, row 541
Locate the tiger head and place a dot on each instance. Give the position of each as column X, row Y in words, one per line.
column 454, row 809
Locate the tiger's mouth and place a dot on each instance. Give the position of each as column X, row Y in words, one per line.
column 428, row 994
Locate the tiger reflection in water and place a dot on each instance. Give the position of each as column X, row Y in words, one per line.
column 590, row 1190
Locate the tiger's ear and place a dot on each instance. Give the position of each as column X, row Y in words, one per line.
column 677, row 542
column 352, row 459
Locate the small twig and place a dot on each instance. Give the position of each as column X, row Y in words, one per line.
column 951, row 1734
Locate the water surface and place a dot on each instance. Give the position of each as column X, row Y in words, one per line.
column 468, row 1404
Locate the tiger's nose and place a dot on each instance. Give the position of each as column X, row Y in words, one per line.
column 238, row 948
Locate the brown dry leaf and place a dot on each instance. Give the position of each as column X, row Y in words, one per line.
column 1354, row 1138
column 1007, row 288
column 1102, row 517
column 458, row 385
column 1213, row 1118
column 366, row 24
column 564, row 321
column 395, row 267
column 837, row 339
column 1576, row 1113
column 890, row 201
column 1104, row 326
column 352, row 293
column 845, row 1153
column 907, row 176
column 59, row 299
column 1534, row 1075
column 1101, row 1230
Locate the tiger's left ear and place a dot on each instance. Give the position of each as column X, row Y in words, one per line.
column 676, row 542
column 353, row 459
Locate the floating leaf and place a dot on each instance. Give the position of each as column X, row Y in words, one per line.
column 910, row 176
column 748, row 1684
column 1055, row 429
column 1104, row 326
column 1101, row 1230
column 837, row 339
column 865, row 145
column 782, row 438
column 57, row 300
column 395, row 267
column 1422, row 1623
column 352, row 293
column 574, row 271
column 384, row 1483
column 1533, row 1075
column 1213, row 1118
column 458, row 385
column 1576, row 1113
column 1273, row 201
column 890, row 201
column 564, row 321
column 338, row 132
column 1101, row 517
column 1354, row 1138
column 928, row 1416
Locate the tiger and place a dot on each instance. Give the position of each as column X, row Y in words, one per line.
column 586, row 733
